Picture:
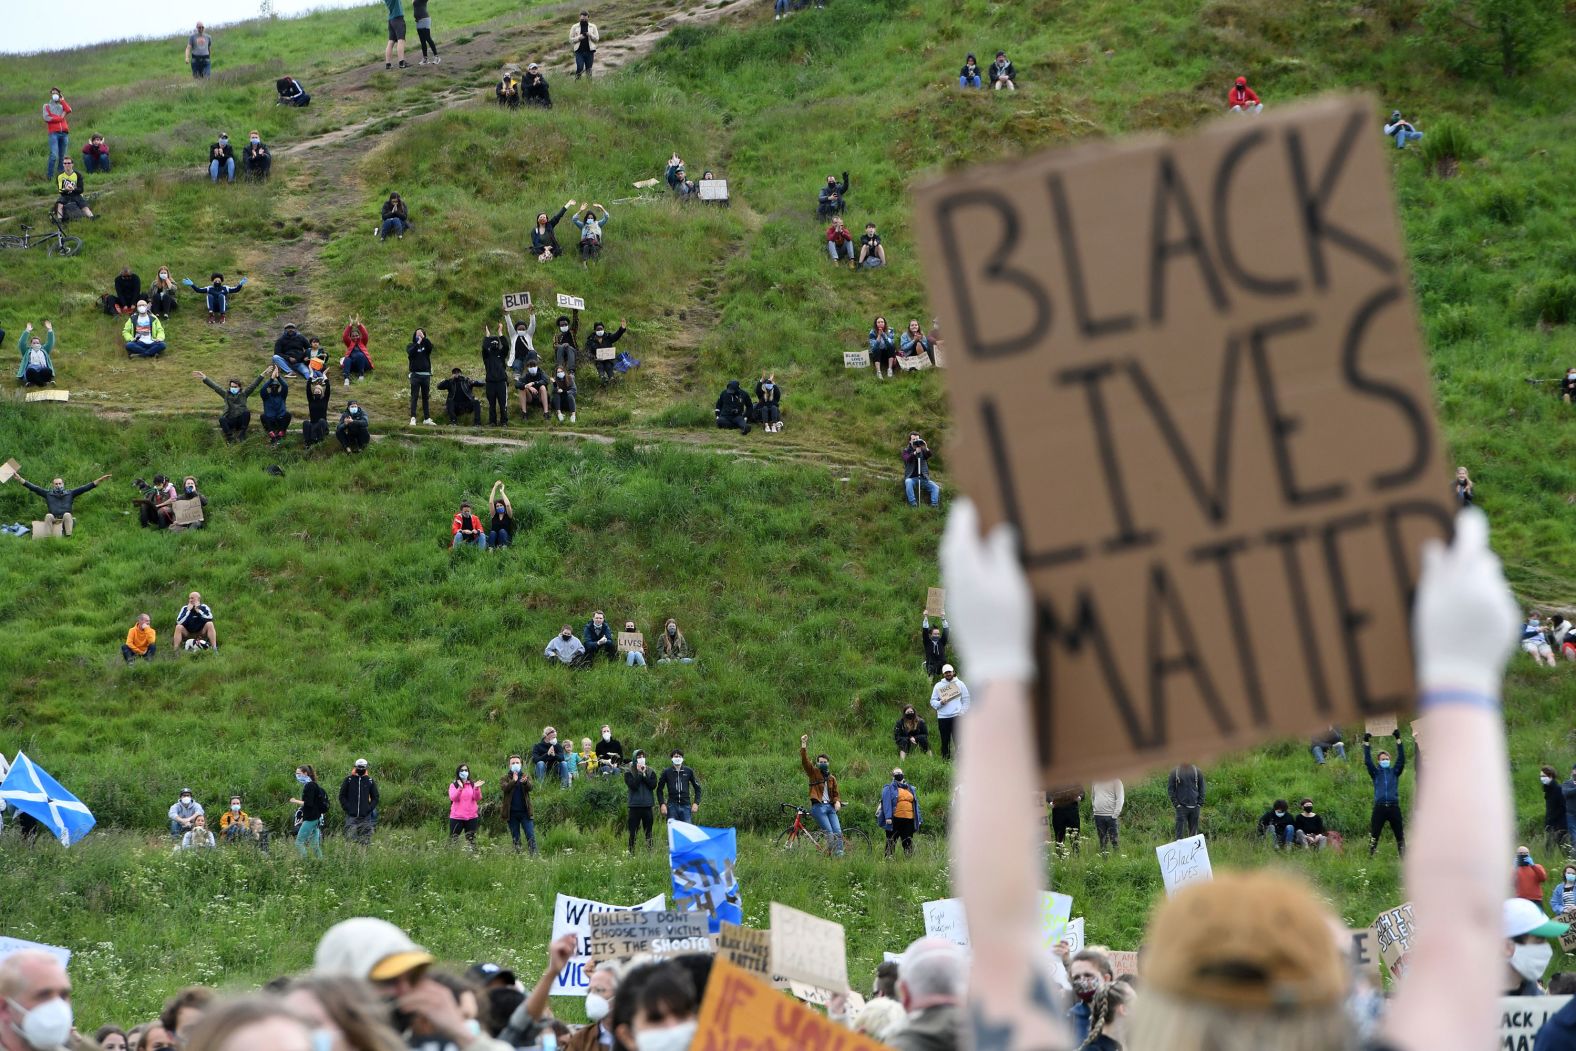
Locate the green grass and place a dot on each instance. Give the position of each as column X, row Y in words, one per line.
column 347, row 630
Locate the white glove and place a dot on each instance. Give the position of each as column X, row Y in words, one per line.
column 1464, row 620
column 988, row 600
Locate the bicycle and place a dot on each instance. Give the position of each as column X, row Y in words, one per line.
column 855, row 840
column 59, row 242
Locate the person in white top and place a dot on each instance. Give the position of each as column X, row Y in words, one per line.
column 199, row 836
column 1106, row 799
column 950, row 699
column 583, row 39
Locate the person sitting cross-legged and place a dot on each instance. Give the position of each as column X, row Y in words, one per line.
column 194, row 624
column 37, row 368
column 235, row 824
column 143, row 333
column 357, row 361
column 598, row 639
column 500, row 528
column 467, row 528
column 673, row 646
column 548, row 757
column 565, row 648
column 140, row 640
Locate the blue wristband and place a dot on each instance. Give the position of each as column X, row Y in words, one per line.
column 1471, row 698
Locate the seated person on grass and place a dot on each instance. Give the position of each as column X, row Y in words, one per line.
column 1278, row 823
column 563, row 393
column 1310, row 827
column 601, row 339
column 140, row 640
column 128, row 289
column 156, row 507
column 197, row 837
column 883, row 346
column 544, row 235
column 58, row 500
column 914, row 343
column 163, row 296
column 500, row 528
column 221, row 159
column 291, row 93
column 466, row 528
column 507, row 91
column 184, row 813
column 259, row 162
column 276, row 416
column 1243, row 99
column 354, row 430
column 394, row 218
column 590, row 230
column 458, row 399
column 235, row 823
column 1534, row 643
column 871, row 252
column 733, row 408
column 314, row 428
column 143, row 333
column 535, row 387
column 833, row 199
column 194, row 626
column 537, row 92
column 839, row 241
column 673, row 646
column 95, row 155
column 72, row 203
column 635, row 658
column 969, row 75
column 189, row 492
column 37, row 368
column 290, row 352
column 236, row 420
column 1003, row 74
column 769, row 403
column 609, row 751
column 598, row 639
column 218, row 295
column 565, row 648
column 357, row 361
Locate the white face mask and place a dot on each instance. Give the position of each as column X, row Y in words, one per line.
column 607, row 735
column 597, row 1007
column 1546, row 780
column 1529, row 961
column 46, row 1026
column 514, row 768
column 141, row 309
column 54, row 96
column 676, row 1038
column 678, row 760
column 465, row 775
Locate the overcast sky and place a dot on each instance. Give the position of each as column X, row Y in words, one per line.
column 36, row 26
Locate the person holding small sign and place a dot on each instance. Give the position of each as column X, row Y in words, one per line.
column 915, row 342
column 825, row 802
column 950, row 699
column 602, row 340
column 934, row 640
column 1387, row 793
column 634, row 648
column 916, row 470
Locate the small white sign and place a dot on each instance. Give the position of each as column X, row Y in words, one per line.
column 1184, row 861
column 570, row 302
column 516, row 301
column 714, row 189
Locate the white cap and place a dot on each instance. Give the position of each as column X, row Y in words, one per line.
column 368, row 948
column 361, row 762
column 1522, row 917
column 946, row 668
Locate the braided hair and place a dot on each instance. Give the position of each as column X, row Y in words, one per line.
column 1103, row 1007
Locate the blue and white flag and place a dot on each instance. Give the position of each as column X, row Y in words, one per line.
column 703, row 860
column 32, row 791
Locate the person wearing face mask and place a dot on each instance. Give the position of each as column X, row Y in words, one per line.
column 236, row 419
column 678, row 790
column 535, row 386
column 1564, row 897
column 547, row 757
column 353, row 431
column 162, row 296
column 951, row 708
column 515, row 789
column 566, row 349
column 910, row 734
column 634, row 657
column 565, row 648
column 500, row 528
column 673, row 647
column 642, row 784
column 58, row 500
column 1089, row 971
column 314, row 808
column 37, row 368
column 825, row 801
column 221, row 158
column 1278, row 824
column 315, row 427
column 598, row 638
column 544, row 235
column 495, row 356
column 184, row 812
column 276, row 416
column 1530, row 877
column 1310, row 827
column 255, row 157
column 465, row 798
column 1555, row 831
column 563, row 391
column 666, row 1005
column 235, row 823
column 1527, row 950
column 898, row 813
column 217, row 294
column 602, row 340
column 194, row 502
column 358, row 798
column 1108, row 1018
column 537, row 91
column 590, row 230
column 197, row 837
column 1387, row 793
column 583, row 38
column 467, row 528
column 832, row 199
column 55, row 112
column 609, row 751
column 733, row 408
column 769, row 403
column 600, row 992
column 35, row 1003
column 418, row 356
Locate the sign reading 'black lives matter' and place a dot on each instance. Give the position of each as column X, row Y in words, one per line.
column 1189, row 372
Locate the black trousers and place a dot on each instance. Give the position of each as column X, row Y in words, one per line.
column 314, row 431
column 426, row 41
column 1105, row 828
column 276, row 424
column 421, row 387
column 639, row 816
column 902, row 829
column 562, row 400
column 949, row 735
column 468, row 826
column 1386, row 814
column 497, row 401
column 352, row 436
column 1065, row 820
column 741, row 422
column 235, row 427
column 1187, row 821
column 475, row 409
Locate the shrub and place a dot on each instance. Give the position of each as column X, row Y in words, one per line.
column 1444, row 147
column 1455, row 322
column 1551, row 301
column 1487, row 38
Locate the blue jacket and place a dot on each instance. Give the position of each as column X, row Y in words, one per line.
column 1387, row 783
column 1559, row 1032
column 22, row 345
column 889, row 802
column 218, row 295
column 274, row 393
column 594, row 635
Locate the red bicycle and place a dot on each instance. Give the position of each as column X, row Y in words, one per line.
column 804, row 829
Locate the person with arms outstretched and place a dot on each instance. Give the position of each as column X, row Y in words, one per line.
column 1386, row 777
column 58, row 500
column 236, row 419
column 37, row 368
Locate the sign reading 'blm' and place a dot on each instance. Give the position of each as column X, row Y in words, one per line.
column 1194, row 384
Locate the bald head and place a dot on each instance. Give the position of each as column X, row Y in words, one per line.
column 28, row 979
column 932, row 972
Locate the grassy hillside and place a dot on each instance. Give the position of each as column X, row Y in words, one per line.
column 346, row 628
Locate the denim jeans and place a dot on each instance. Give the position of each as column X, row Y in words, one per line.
column 177, row 829
column 1286, row 837
column 1403, row 136
column 131, row 654
column 517, row 825
column 299, row 369
column 392, row 225
column 310, row 836
column 635, row 659
column 680, row 812
column 355, row 363
column 564, row 774
column 847, row 250
column 498, row 538
column 199, row 66
column 59, row 147
column 480, row 541
column 932, row 490
column 227, row 166
column 826, row 816
column 95, row 162
column 147, row 350
column 969, row 82
column 1337, row 749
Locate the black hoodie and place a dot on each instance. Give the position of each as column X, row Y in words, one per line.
column 419, row 354
column 733, row 401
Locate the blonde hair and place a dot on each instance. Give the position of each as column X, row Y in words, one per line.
column 350, row 1004
column 217, row 1026
column 880, row 1019
column 1170, row 1024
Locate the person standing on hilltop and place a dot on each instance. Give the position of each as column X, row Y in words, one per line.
column 55, row 112
column 396, row 44
column 583, row 38
column 424, row 31
column 199, row 49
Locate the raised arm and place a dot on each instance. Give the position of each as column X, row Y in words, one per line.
column 1463, row 631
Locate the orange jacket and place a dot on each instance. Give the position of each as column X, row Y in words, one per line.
column 139, row 638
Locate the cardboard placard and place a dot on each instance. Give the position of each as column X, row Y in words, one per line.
column 1365, row 952
column 856, row 359
column 516, row 301
column 629, row 932
column 570, row 302
column 1396, row 930
column 631, row 641
column 1381, row 725
column 1522, row 1017
column 606, row 353
column 1568, row 939
column 49, row 530
column 1195, row 385
column 9, row 470
column 48, row 395
column 935, row 602
column 809, row 994
column 713, row 189
column 746, row 948
column 188, row 512
column 572, row 915
column 914, row 362
column 806, row 948
column 1123, row 962
column 949, row 691
column 741, row 1011
column 1184, row 861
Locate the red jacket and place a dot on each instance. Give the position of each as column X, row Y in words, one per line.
column 1529, row 882
column 838, row 235
column 55, row 115
column 356, row 336
column 476, row 523
column 1243, row 96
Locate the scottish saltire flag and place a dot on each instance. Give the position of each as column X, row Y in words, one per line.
column 703, row 860
column 32, row 791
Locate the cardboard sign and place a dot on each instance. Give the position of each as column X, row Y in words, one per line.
column 856, row 359
column 742, row 1013
column 1184, row 861
column 606, row 353
column 935, row 602
column 49, row 530
column 188, row 512
column 808, row 949
column 713, row 189
column 570, row 302
column 9, row 470
column 809, row 994
column 1381, row 725
column 11, row 946
column 516, row 301
column 949, row 691
column 48, row 395
column 573, row 916
column 1365, row 952
column 629, row 932
column 1123, row 962
column 1522, row 1017
column 1194, row 383
column 631, row 641
column 1074, row 935
column 745, row 948
column 1396, row 930
column 1567, row 940
column 914, row 362
column 1055, row 913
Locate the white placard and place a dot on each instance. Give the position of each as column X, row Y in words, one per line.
column 11, row 946
column 1184, row 861
column 714, row 189
column 513, row 301
column 1521, row 1017
column 947, row 919
column 573, row 916
column 856, row 359
column 570, row 302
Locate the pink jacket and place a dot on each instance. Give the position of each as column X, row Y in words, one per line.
column 463, row 801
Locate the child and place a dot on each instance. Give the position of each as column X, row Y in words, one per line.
column 95, row 155
column 218, row 294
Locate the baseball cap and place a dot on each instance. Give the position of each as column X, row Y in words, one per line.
column 946, row 668
column 486, row 972
column 368, row 948
column 1247, row 940
column 1521, row 917
column 361, row 762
